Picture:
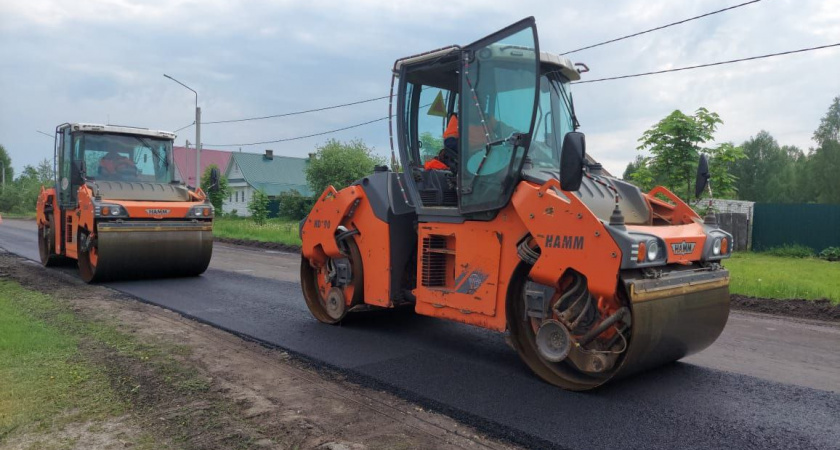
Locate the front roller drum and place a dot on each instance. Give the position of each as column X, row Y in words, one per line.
column 667, row 323
column 135, row 250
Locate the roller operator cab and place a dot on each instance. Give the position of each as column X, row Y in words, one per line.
column 512, row 228
column 118, row 209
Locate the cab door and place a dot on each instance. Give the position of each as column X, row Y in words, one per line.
column 499, row 83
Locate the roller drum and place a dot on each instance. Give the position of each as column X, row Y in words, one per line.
column 672, row 317
column 675, row 325
column 132, row 250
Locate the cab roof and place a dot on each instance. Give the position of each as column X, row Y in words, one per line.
column 551, row 60
column 118, row 129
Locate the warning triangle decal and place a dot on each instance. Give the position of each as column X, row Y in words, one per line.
column 438, row 108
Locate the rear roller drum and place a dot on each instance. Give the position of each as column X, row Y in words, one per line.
column 330, row 291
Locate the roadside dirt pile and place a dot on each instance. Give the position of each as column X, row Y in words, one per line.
column 806, row 309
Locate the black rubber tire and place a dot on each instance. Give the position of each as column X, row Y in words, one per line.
column 309, row 284
column 87, row 270
column 46, row 245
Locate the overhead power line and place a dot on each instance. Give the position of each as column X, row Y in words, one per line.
column 660, row 28
column 301, row 137
column 700, row 66
column 296, row 112
column 185, row 126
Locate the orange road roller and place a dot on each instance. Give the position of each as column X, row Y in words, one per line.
column 498, row 219
column 118, row 209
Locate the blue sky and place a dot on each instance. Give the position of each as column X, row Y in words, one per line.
column 103, row 60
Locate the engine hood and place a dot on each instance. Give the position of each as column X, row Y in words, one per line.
column 139, row 191
column 600, row 199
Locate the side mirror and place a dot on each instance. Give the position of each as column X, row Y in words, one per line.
column 572, row 158
column 703, row 175
column 214, row 179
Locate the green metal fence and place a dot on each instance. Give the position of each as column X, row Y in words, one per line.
column 812, row 225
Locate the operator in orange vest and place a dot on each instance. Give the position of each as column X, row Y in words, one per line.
column 450, row 151
column 114, row 164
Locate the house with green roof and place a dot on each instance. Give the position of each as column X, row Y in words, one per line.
column 250, row 172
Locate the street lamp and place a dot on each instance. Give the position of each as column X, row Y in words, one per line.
column 197, row 133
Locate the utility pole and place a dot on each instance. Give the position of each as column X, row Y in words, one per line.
column 3, row 169
column 197, row 145
column 197, row 133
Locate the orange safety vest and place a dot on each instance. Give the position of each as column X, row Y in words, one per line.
column 451, row 128
column 113, row 164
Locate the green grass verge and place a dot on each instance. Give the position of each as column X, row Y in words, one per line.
column 58, row 367
column 26, row 215
column 274, row 230
column 45, row 383
column 767, row 276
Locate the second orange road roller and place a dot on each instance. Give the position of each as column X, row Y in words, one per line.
column 497, row 219
column 117, row 207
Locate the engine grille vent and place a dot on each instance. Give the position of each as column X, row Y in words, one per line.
column 437, row 261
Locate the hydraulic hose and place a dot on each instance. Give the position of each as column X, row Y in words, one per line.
column 608, row 322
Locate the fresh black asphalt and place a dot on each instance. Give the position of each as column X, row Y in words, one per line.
column 472, row 374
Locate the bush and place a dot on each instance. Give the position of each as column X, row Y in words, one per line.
column 831, row 254
column 791, row 251
column 293, row 205
column 258, row 207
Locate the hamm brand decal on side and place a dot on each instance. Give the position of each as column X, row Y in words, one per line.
column 157, row 212
column 560, row 241
column 682, row 248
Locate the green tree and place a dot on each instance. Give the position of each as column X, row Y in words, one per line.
column 430, row 145
column 822, row 170
column 633, row 167
column 675, row 144
column 339, row 164
column 217, row 196
column 258, row 207
column 829, row 129
column 721, row 160
column 768, row 171
column 6, row 162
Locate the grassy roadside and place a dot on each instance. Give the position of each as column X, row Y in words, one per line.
column 69, row 380
column 767, row 276
column 274, row 230
column 25, row 216
column 45, row 383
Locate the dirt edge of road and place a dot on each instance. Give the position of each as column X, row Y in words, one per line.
column 259, row 244
column 262, row 397
column 822, row 309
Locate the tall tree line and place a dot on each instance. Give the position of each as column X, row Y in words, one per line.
column 760, row 169
column 776, row 173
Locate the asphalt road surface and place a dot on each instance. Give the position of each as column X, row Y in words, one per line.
column 768, row 382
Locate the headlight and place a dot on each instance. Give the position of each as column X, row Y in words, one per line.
column 652, row 250
column 203, row 211
column 718, row 245
column 105, row 210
